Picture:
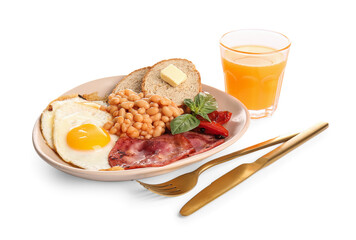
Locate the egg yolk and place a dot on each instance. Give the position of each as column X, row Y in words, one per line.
column 87, row 137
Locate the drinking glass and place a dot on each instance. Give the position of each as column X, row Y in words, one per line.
column 253, row 62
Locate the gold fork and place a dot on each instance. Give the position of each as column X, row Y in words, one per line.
column 187, row 181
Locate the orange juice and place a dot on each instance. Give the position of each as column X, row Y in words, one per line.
column 253, row 74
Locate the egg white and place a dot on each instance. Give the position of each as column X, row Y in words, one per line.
column 73, row 114
column 47, row 119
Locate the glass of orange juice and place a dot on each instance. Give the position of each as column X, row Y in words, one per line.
column 253, row 62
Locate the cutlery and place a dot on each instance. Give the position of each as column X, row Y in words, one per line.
column 186, row 182
column 244, row 171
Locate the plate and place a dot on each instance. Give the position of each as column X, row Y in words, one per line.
column 237, row 126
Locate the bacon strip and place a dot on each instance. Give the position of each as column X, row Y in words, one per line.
column 131, row 153
column 156, row 152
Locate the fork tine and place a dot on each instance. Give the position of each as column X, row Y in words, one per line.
column 155, row 186
column 166, row 193
column 170, row 191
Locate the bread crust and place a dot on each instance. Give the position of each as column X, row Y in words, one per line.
column 127, row 76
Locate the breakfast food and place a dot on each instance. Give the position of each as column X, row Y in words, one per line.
column 154, row 116
column 160, row 151
column 139, row 116
column 132, row 81
column 78, row 136
column 152, row 82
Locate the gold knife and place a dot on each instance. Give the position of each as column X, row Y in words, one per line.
column 244, row 171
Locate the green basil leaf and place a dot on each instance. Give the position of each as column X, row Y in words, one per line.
column 205, row 103
column 190, row 104
column 184, row 123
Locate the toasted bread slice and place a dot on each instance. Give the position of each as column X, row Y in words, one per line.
column 132, row 81
column 152, row 82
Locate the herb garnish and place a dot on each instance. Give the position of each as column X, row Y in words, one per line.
column 202, row 105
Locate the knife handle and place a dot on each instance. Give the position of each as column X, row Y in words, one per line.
column 291, row 144
column 244, row 151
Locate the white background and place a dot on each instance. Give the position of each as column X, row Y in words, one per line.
column 48, row 47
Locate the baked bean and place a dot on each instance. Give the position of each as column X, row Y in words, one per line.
column 111, row 96
column 165, row 119
column 133, row 97
column 165, row 102
column 175, row 111
column 133, row 111
column 120, row 119
column 144, row 127
column 138, row 118
column 150, row 131
column 113, row 108
column 159, row 123
column 131, row 129
column 141, row 111
column 142, row 104
column 152, row 110
column 141, row 137
column 121, row 93
column 124, row 127
column 127, row 105
column 108, row 108
column 157, row 131
column 122, row 112
column 115, row 113
column 168, row 125
column 128, row 92
column 153, row 104
column 128, row 122
column 117, row 125
column 156, row 117
column 115, row 101
column 111, row 101
column 137, row 125
column 108, row 125
column 122, row 135
column 134, row 134
column 147, row 120
column 143, row 133
column 129, row 116
column 181, row 110
column 123, row 100
column 141, row 94
column 167, row 111
column 155, row 98
column 148, row 136
column 113, row 131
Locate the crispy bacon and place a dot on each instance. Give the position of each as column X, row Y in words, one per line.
column 135, row 153
column 131, row 153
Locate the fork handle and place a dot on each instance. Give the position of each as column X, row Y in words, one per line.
column 244, row 151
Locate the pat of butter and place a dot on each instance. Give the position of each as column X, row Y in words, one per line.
column 173, row 75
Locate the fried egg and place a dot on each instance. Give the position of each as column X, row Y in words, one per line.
column 78, row 136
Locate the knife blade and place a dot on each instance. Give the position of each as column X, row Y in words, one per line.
column 244, row 171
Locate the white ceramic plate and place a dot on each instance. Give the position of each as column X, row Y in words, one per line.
column 237, row 126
